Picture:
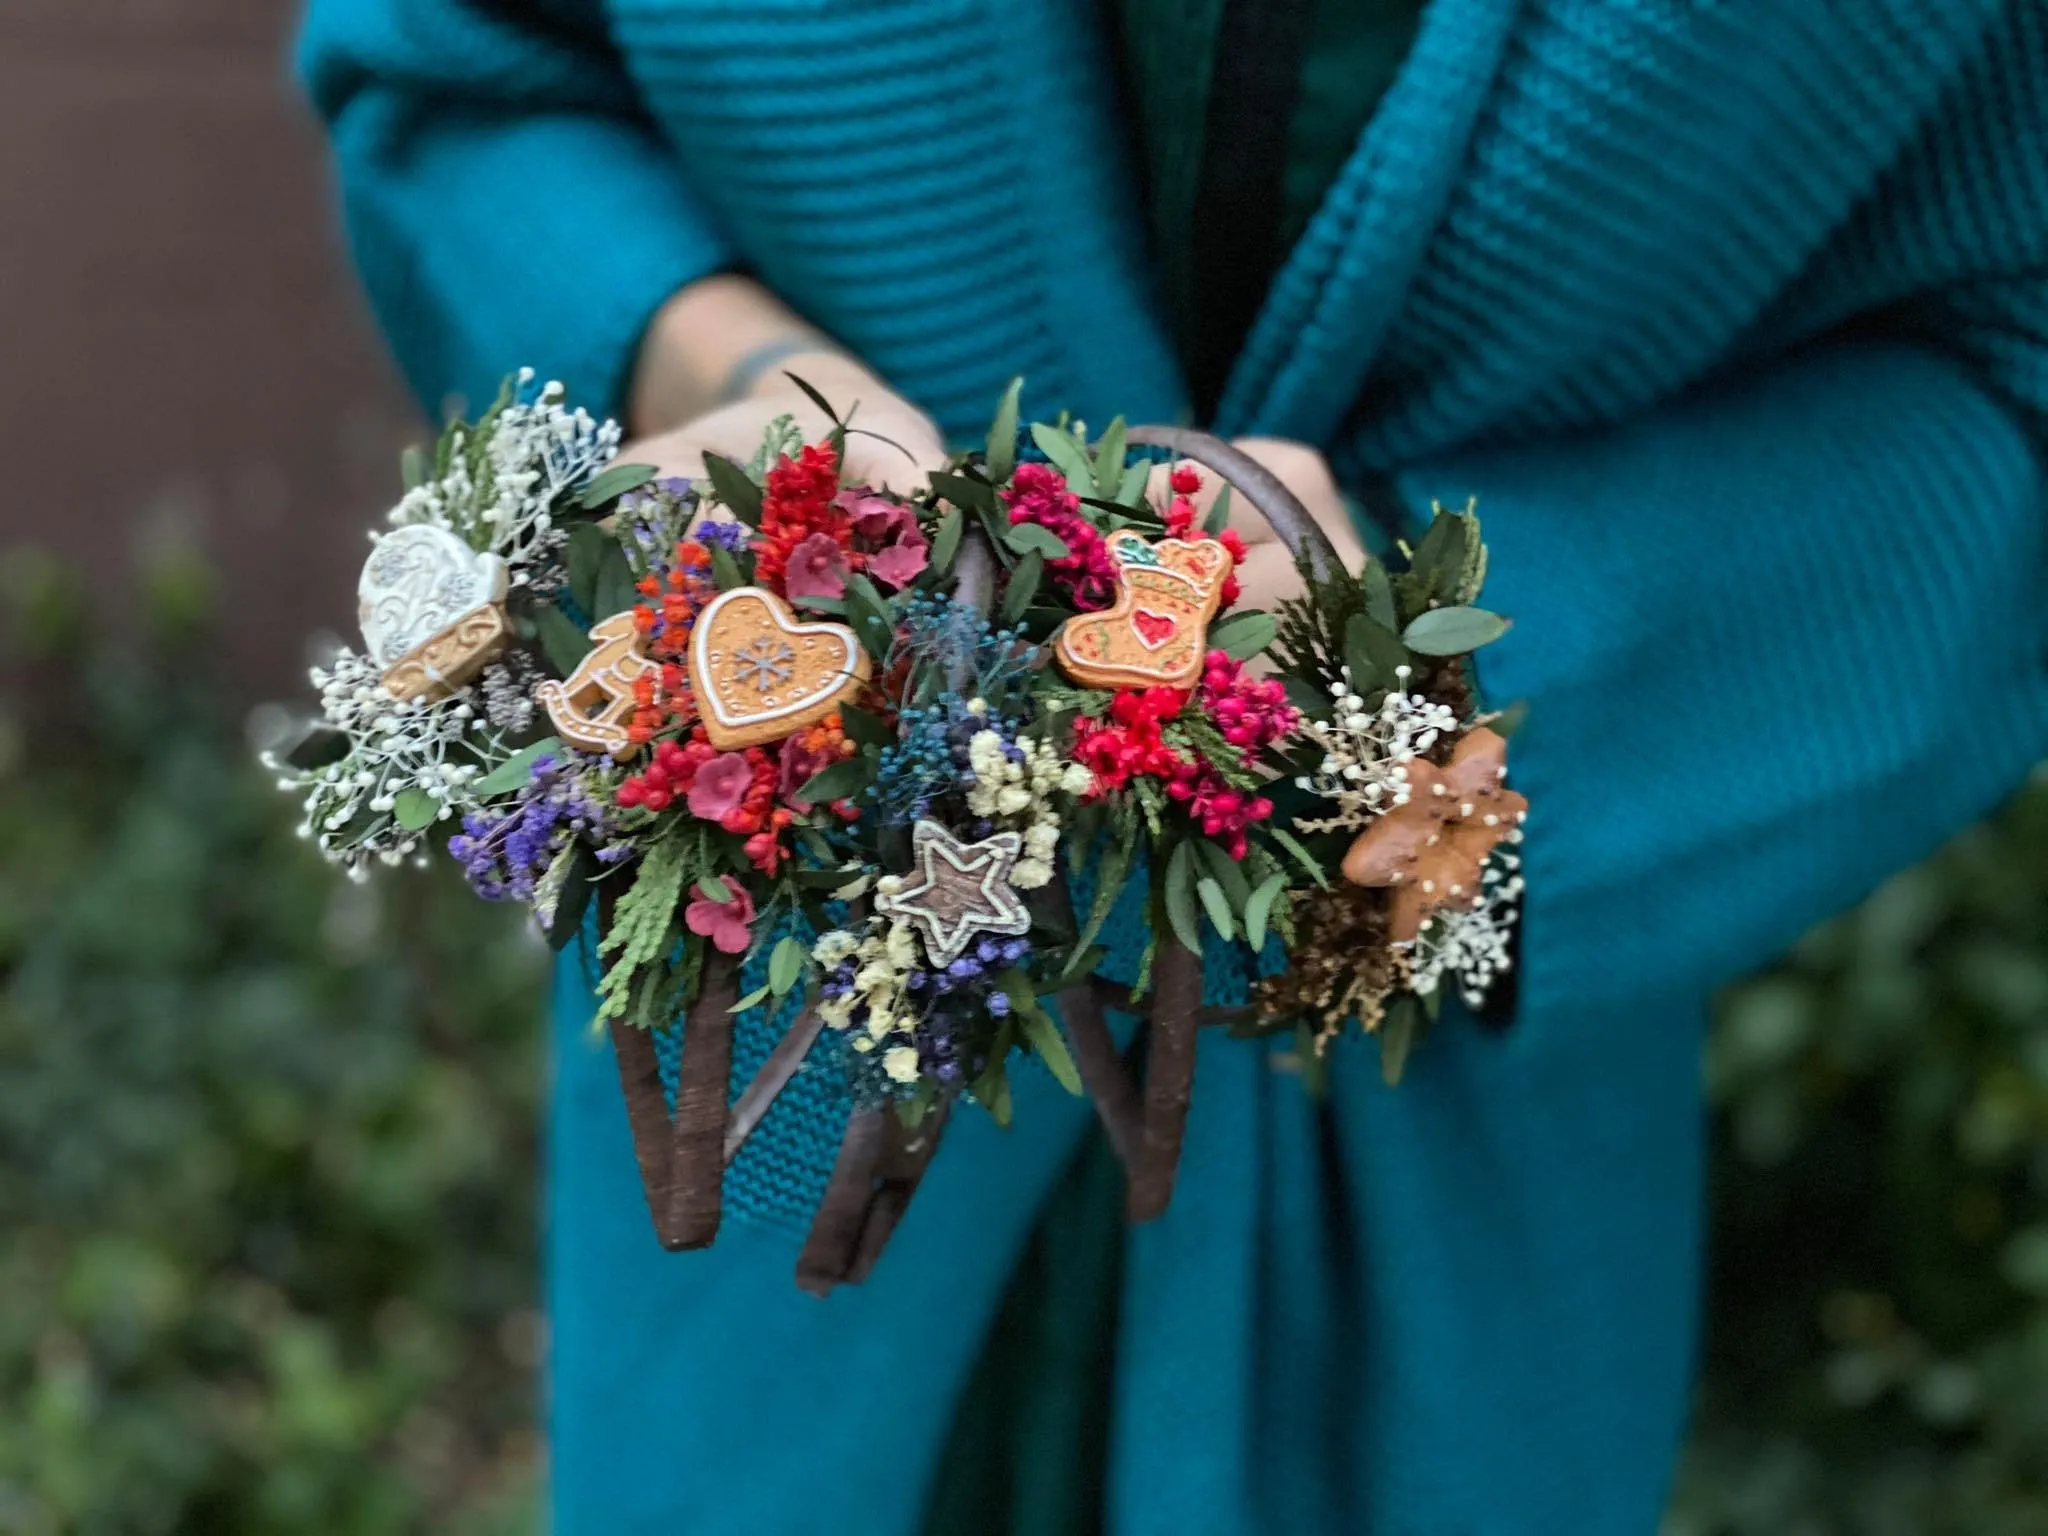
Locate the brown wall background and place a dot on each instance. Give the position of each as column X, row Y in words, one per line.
column 183, row 354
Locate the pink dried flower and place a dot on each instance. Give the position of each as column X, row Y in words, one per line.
column 817, row 568
column 1087, row 572
column 1221, row 812
column 898, row 564
column 724, row 923
column 1251, row 713
column 720, row 786
column 874, row 517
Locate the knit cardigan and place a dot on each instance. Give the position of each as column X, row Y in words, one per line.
column 1733, row 316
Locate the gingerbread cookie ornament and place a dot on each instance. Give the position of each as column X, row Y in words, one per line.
column 1431, row 850
column 957, row 891
column 759, row 675
column 1156, row 632
column 590, row 707
column 431, row 609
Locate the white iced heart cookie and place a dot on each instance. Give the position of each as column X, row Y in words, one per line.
column 430, row 609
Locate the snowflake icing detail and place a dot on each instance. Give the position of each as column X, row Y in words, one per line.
column 765, row 662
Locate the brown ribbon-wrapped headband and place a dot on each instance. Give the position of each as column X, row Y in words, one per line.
column 683, row 1156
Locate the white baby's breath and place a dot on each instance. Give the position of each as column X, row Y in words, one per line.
column 1366, row 753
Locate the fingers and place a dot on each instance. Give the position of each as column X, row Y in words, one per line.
column 1268, row 572
column 889, row 446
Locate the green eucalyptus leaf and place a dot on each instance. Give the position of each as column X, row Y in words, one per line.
column 1243, row 635
column 864, row 727
column 1307, row 697
column 995, row 1096
column 1218, row 908
column 414, row 466
column 1397, row 1037
column 1180, row 897
column 841, row 781
column 1040, row 1032
column 615, row 589
column 946, row 542
column 715, row 888
column 786, row 965
column 753, row 999
column 869, row 616
column 1022, row 586
column 584, row 557
column 574, row 899
column 1372, row 653
column 415, row 809
column 1259, row 908
column 1378, row 588
column 963, row 491
column 1029, row 538
column 1453, row 631
column 1219, row 512
column 316, row 746
column 1438, row 565
column 1002, row 434
column 561, row 641
column 1137, row 474
column 1067, row 456
column 734, row 489
column 725, row 570
column 611, row 484
column 513, row 773
column 1225, row 871
column 1109, row 461
column 1510, row 720
column 831, row 413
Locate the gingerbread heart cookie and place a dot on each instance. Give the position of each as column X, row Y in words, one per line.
column 1156, row 632
column 759, row 675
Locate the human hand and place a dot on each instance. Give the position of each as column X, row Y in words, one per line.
column 692, row 392
column 1268, row 573
column 890, row 443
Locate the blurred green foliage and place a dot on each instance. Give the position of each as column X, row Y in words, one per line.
column 1877, row 1355
column 267, row 1186
column 267, row 1164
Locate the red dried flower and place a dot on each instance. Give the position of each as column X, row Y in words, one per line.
column 796, row 503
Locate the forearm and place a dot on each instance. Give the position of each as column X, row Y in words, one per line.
column 723, row 338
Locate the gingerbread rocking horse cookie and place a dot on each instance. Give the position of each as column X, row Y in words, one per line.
column 591, row 706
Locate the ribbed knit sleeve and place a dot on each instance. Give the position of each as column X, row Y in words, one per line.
column 507, row 200
column 1778, row 640
column 1748, row 369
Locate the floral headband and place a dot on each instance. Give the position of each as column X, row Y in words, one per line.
column 786, row 744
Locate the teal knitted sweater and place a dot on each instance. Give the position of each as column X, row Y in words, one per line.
column 1735, row 318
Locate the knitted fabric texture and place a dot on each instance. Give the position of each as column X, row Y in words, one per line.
column 1733, row 318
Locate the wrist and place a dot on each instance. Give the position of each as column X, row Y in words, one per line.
column 705, row 334
column 841, row 379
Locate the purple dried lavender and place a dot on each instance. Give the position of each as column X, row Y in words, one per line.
column 504, row 855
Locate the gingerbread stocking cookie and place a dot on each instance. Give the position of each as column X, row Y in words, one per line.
column 1156, row 632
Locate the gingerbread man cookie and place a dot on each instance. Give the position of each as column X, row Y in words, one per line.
column 1156, row 632
column 760, row 676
